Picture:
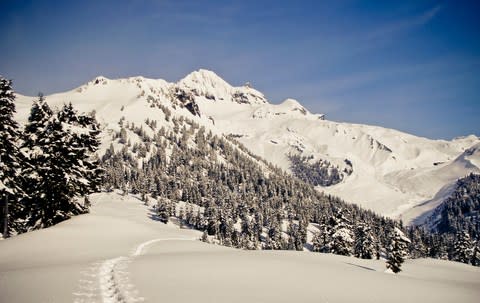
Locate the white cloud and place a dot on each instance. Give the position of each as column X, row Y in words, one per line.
column 387, row 30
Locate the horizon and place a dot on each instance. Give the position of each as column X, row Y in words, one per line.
column 406, row 65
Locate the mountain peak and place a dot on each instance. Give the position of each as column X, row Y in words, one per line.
column 291, row 103
column 208, row 84
column 204, row 78
column 99, row 80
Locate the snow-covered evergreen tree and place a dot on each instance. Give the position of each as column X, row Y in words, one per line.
column 417, row 247
column 321, row 240
column 396, row 249
column 462, row 248
column 317, row 242
column 80, row 143
column 364, row 247
column 162, row 210
column 34, row 137
column 341, row 236
column 59, row 148
column 10, row 162
column 476, row 254
column 274, row 237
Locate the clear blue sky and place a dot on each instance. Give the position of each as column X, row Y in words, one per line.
column 409, row 65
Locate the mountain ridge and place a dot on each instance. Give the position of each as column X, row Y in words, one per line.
column 384, row 160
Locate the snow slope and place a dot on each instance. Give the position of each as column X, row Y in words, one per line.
column 119, row 253
column 72, row 261
column 393, row 172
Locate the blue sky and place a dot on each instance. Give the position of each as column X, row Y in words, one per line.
column 409, row 65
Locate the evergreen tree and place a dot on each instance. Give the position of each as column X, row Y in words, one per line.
column 476, row 254
column 364, row 247
column 396, row 249
column 417, row 247
column 80, row 143
column 274, row 235
column 162, row 210
column 10, row 160
column 322, row 239
column 462, row 248
column 34, row 146
column 59, row 148
column 317, row 243
column 341, row 242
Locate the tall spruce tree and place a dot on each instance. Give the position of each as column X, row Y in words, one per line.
column 341, row 236
column 364, row 247
column 10, row 190
column 35, row 144
column 462, row 248
column 80, row 143
column 396, row 249
column 162, row 210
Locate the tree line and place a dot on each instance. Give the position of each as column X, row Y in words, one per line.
column 457, row 221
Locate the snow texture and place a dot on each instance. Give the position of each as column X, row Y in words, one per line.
column 118, row 253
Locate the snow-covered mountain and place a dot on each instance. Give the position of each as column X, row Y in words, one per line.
column 390, row 172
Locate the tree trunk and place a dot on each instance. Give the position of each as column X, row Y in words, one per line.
column 5, row 222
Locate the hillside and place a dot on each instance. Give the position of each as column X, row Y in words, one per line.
column 460, row 212
column 390, row 172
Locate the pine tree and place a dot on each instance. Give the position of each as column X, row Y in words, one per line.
column 462, row 248
column 476, row 254
column 317, row 243
column 162, row 210
column 322, row 240
column 396, row 249
column 364, row 247
column 274, row 235
column 417, row 246
column 60, row 150
column 34, row 145
column 10, row 160
column 340, row 234
column 80, row 143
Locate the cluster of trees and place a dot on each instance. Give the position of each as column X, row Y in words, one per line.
column 320, row 172
column 457, row 221
column 461, row 210
column 45, row 165
column 212, row 184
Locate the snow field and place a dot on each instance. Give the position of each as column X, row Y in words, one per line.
column 117, row 253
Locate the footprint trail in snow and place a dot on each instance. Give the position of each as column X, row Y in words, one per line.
column 108, row 281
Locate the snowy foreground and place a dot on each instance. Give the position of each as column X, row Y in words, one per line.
column 119, row 253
